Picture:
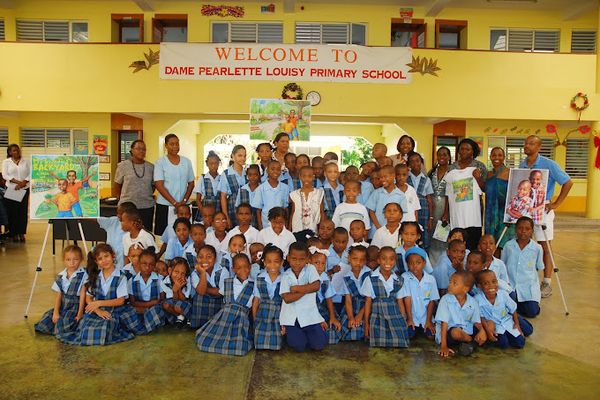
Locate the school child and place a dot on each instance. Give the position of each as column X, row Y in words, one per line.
column 325, row 232
column 379, row 152
column 422, row 185
column 178, row 245
column 366, row 188
column 106, row 318
column 521, row 204
column 181, row 211
column 248, row 192
column 325, row 296
column 63, row 200
column 419, row 293
column 266, row 305
column 351, row 210
column 410, row 233
column 301, row 323
column 206, row 188
column 338, row 251
column 161, row 269
column 178, row 293
column 412, row 200
column 66, row 313
column 366, row 169
column 270, row 194
column 207, row 217
column 358, row 233
column 228, row 331
column 205, row 280
column 291, row 175
column 145, row 294
column 454, row 262
column 372, row 257
column 256, row 251
column 237, row 245
column 133, row 267
column 276, row 233
column 538, row 194
column 243, row 214
column 388, row 234
column 317, row 166
column 114, row 233
column 475, row 263
column 385, row 161
column 487, row 245
column 457, row 314
column 72, row 187
column 334, row 190
column 383, row 196
column 352, row 314
column 216, row 237
column 385, row 316
column 523, row 257
column 132, row 225
column 232, row 179
column 307, row 205
column 499, row 318
column 376, row 180
column 198, row 236
column 265, row 155
column 302, row 160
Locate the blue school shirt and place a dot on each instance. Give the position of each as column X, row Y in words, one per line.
column 501, row 312
column 251, row 194
column 380, row 198
column 357, row 281
column 255, row 271
column 329, row 293
column 174, row 177
column 238, row 286
column 522, row 267
column 400, row 250
column 334, row 259
column 555, row 175
column 168, row 291
column 200, row 188
column 268, row 197
column 176, row 249
column 271, row 285
column 456, row 316
column 224, row 183
column 498, row 267
column 367, row 287
column 338, row 194
column 195, row 278
column 114, row 237
column 443, row 271
column 421, row 292
column 366, row 189
column 427, row 188
column 65, row 282
column 105, row 284
column 304, row 310
column 145, row 287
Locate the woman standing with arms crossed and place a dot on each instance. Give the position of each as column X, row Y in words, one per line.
column 496, row 186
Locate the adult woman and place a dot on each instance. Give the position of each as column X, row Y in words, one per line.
column 174, row 180
column 438, row 182
column 16, row 170
column 465, row 182
column 134, row 181
column 405, row 146
column 282, row 147
column 496, row 186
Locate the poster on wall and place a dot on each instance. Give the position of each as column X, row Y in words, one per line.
column 100, row 145
column 269, row 117
column 80, row 147
column 526, row 195
column 64, row 187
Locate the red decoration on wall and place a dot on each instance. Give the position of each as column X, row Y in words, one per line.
column 597, row 144
column 222, row 11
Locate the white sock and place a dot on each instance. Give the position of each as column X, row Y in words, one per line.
column 548, row 280
column 180, row 318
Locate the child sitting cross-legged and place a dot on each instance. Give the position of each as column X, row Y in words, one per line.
column 178, row 292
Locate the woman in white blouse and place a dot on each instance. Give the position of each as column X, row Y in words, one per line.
column 16, row 170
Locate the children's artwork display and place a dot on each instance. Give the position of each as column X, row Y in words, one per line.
column 526, row 195
column 64, row 187
column 100, row 145
column 268, row 117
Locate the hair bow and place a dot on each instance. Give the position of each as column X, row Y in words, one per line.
column 259, row 254
column 356, row 244
column 315, row 249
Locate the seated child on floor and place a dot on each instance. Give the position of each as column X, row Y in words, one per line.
column 133, row 255
column 410, row 235
column 325, row 296
column 205, row 280
column 237, row 245
column 145, row 294
column 182, row 211
column 177, row 290
column 487, row 245
column 178, row 245
column 453, row 262
column 161, row 269
column 198, row 235
column 256, row 256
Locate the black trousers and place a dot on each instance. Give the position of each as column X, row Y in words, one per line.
column 147, row 215
column 17, row 215
column 161, row 220
column 473, row 236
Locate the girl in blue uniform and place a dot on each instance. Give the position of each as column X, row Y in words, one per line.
column 206, row 188
column 65, row 315
column 266, row 305
column 410, row 234
column 228, row 331
column 232, row 179
column 237, row 245
column 206, row 300
column 105, row 313
column 385, row 316
column 145, row 294
column 177, row 290
column 352, row 315
column 325, row 296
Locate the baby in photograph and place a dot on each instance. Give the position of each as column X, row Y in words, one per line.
column 521, row 204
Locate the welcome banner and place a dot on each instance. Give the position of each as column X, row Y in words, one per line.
column 316, row 63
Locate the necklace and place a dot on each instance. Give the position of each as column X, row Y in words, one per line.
column 135, row 172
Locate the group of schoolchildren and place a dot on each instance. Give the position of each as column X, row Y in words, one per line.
column 349, row 264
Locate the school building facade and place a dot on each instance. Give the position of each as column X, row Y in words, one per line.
column 506, row 70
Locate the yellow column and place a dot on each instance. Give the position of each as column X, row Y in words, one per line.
column 593, row 180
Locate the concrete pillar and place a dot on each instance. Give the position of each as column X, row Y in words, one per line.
column 593, row 180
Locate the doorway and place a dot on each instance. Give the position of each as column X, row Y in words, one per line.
column 450, row 34
column 127, row 28
column 125, row 140
column 412, row 34
column 169, row 28
column 448, row 134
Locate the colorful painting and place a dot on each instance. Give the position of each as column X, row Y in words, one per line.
column 100, row 145
column 64, row 187
column 269, row 117
column 526, row 196
column 80, row 147
column 463, row 189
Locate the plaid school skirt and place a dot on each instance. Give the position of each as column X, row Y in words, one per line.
column 388, row 328
column 228, row 332
column 333, row 336
column 152, row 318
column 267, row 330
column 352, row 334
column 184, row 305
column 95, row 331
column 66, row 322
column 204, row 307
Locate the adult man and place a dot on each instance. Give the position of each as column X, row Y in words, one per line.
column 556, row 175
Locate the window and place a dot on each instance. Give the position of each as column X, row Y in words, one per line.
column 347, row 33
column 47, row 140
column 583, row 41
column 51, row 31
column 3, row 140
column 247, row 32
column 310, row 151
column 577, row 158
column 450, row 34
column 169, row 28
column 515, row 153
column 127, row 28
column 2, row 37
column 542, row 40
column 408, row 34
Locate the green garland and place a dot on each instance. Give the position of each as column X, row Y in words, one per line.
column 292, row 87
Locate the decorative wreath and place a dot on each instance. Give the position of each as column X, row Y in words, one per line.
column 576, row 100
column 292, row 91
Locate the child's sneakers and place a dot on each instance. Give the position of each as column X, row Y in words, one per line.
column 546, row 290
column 466, row 349
column 180, row 323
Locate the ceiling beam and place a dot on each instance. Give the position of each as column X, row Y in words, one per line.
column 436, row 7
column 289, row 6
column 144, row 5
column 573, row 13
column 7, row 4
